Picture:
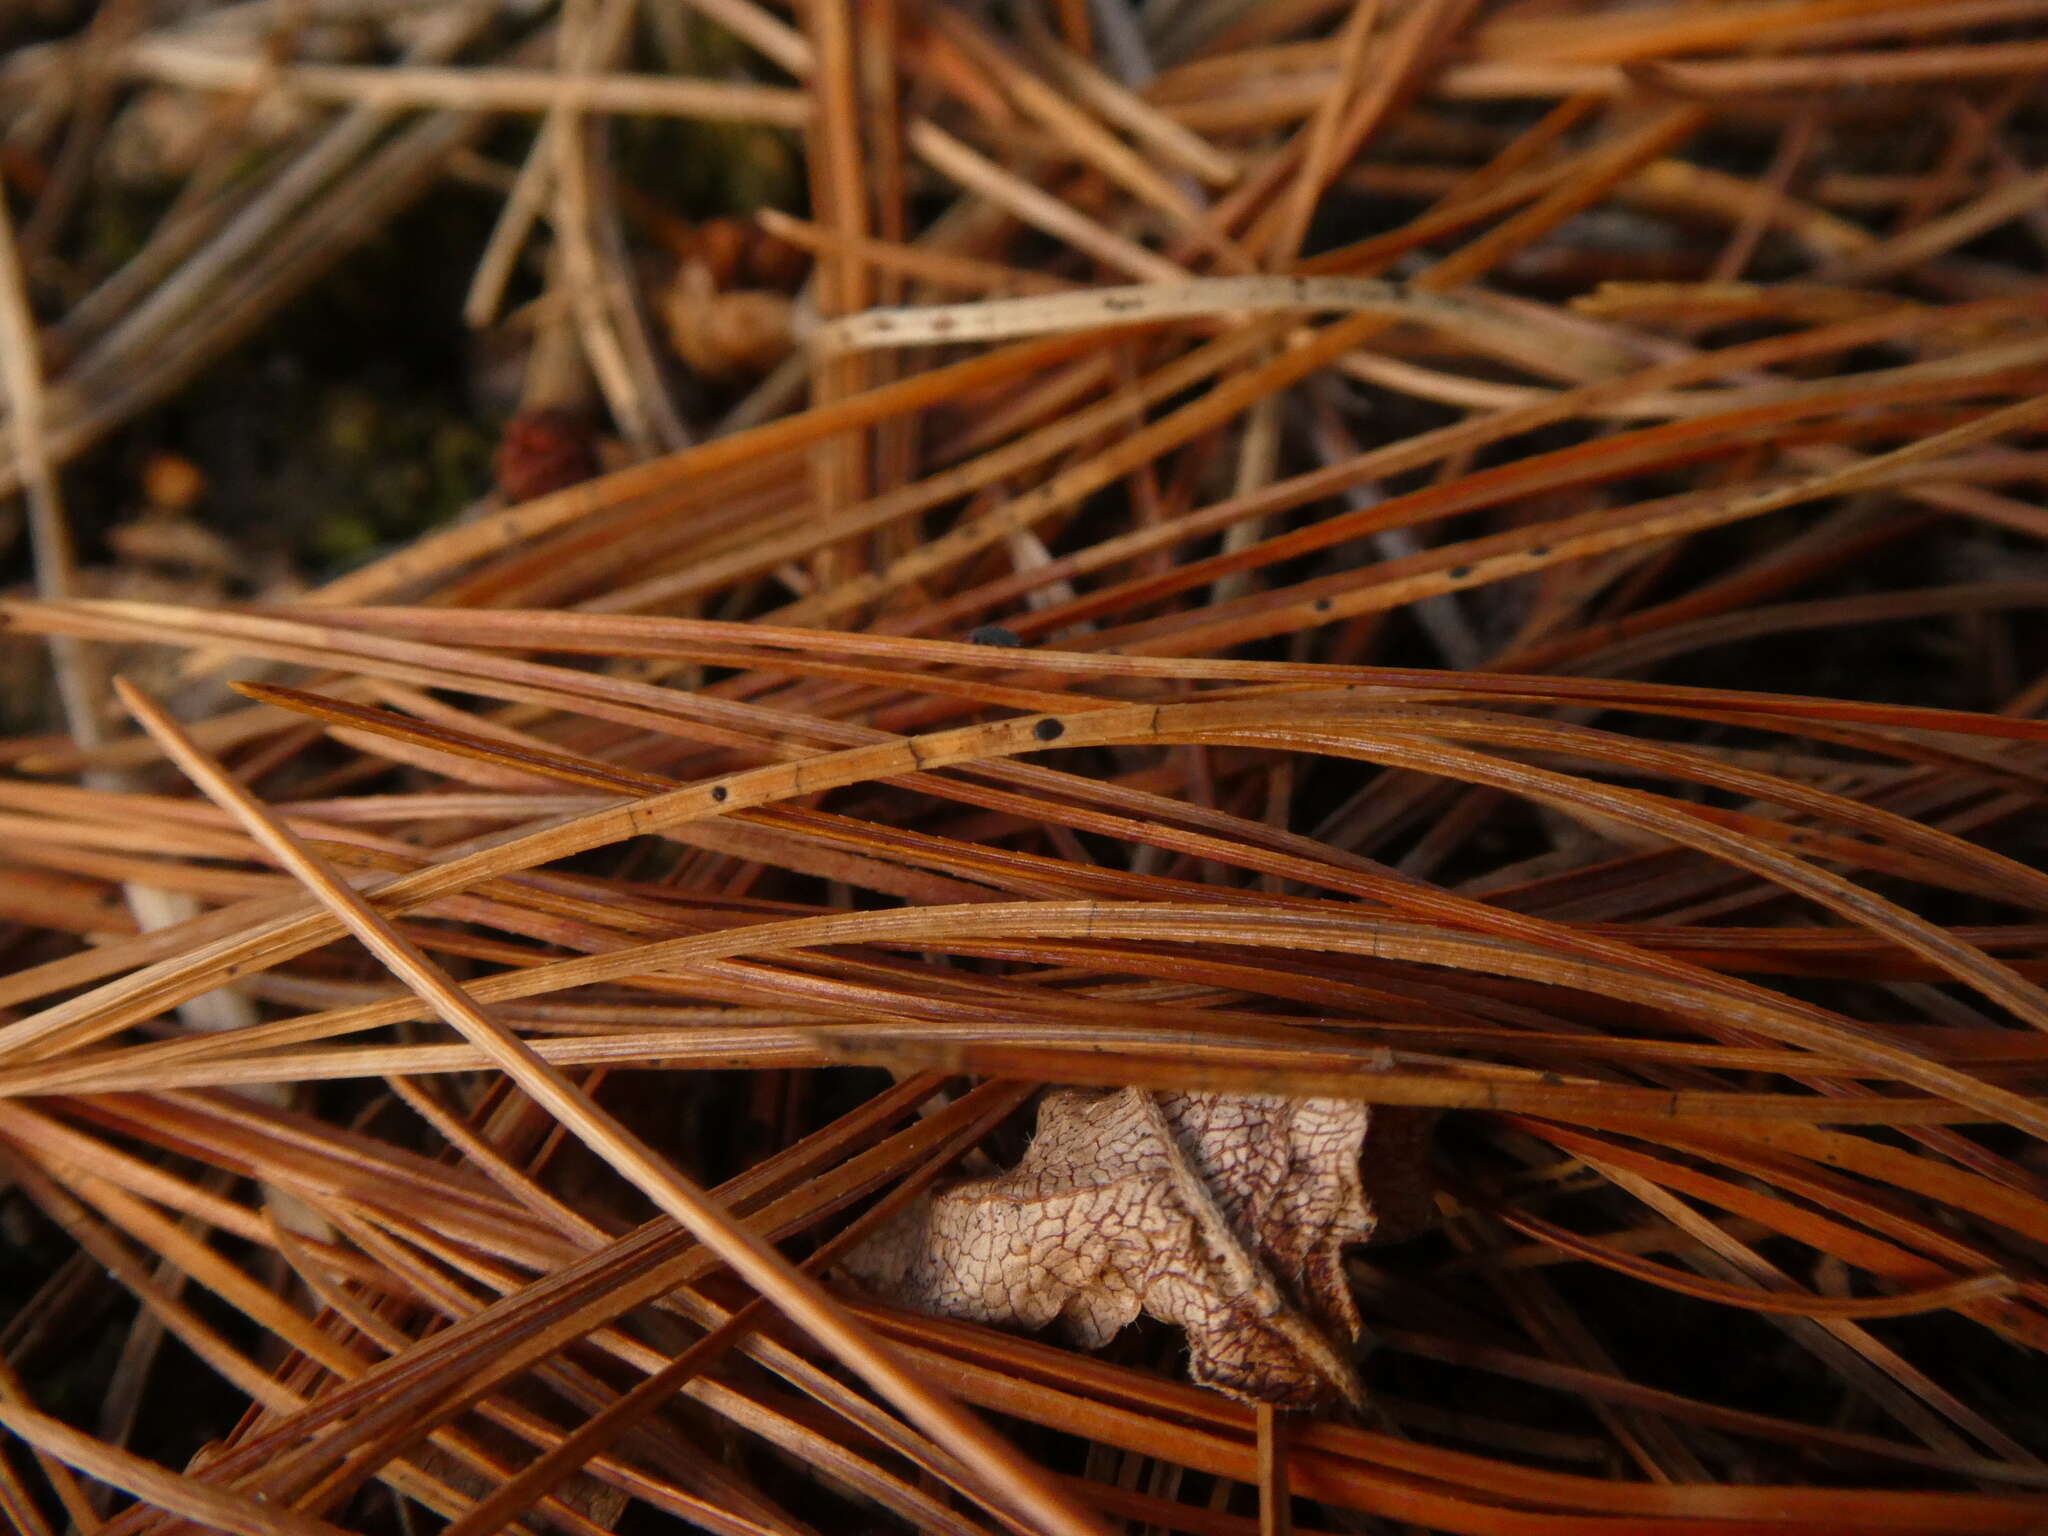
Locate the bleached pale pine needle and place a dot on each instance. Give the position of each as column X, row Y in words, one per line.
column 1138, row 304
column 469, row 90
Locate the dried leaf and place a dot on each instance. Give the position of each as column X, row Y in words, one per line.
column 1223, row 1214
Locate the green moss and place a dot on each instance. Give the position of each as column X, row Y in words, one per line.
column 396, row 467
